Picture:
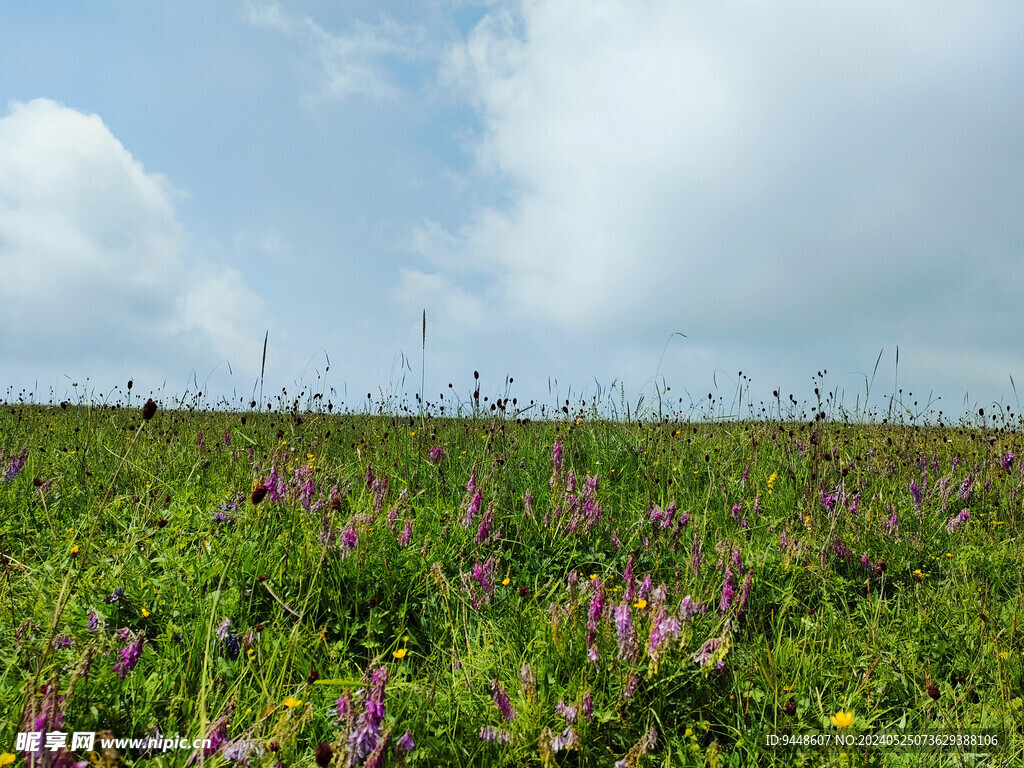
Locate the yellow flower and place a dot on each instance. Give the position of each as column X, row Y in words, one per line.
column 7, row 758
column 74, row 550
column 400, row 653
column 145, row 613
column 505, row 581
column 593, row 576
column 291, row 702
column 842, row 719
column 641, row 604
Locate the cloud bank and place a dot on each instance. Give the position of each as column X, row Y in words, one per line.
column 95, row 265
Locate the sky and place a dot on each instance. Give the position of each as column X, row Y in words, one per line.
column 599, row 199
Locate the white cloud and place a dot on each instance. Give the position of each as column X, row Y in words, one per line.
column 93, row 257
column 351, row 62
column 806, row 176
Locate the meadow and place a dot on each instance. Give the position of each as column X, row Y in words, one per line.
column 321, row 586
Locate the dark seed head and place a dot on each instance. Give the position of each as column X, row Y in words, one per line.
column 323, row 754
column 790, row 708
column 162, row 522
column 933, row 691
column 258, row 493
column 149, row 410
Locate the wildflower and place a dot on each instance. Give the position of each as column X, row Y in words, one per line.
column 94, row 623
column 406, row 535
column 485, row 525
column 364, row 738
column 15, row 466
column 474, row 507
column 405, row 744
column 240, row 751
column 7, row 758
column 695, row 557
column 148, row 410
column 594, row 614
column 646, row 743
column 624, row 631
column 748, row 582
column 129, row 656
column 954, row 523
column 501, row 701
column 664, row 629
column 588, row 706
column 291, row 702
column 707, row 651
column 790, row 708
column 400, row 653
column 74, row 550
column 495, row 735
column 842, row 719
column 436, row 455
column 689, row 608
column 566, row 711
column 114, row 596
column 728, row 589
column 1008, row 461
column 349, row 538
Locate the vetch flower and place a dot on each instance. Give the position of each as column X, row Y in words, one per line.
column 405, row 744
column 15, row 466
column 501, row 701
column 129, row 656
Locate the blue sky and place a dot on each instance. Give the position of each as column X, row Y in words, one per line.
column 560, row 185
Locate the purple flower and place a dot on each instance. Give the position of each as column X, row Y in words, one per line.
column 588, row 706
column 748, row 582
column 594, row 614
column 364, row 737
column 224, row 629
column 227, row 438
column 495, row 735
column 1008, row 461
column 130, row 656
column 695, row 557
column 435, row 457
column 567, row 711
column 349, row 538
column 275, row 486
column 954, row 523
column 485, row 526
column 689, row 608
column 14, row 466
column 567, row 739
column 501, row 701
column 406, row 536
column 915, row 492
column 474, row 507
column 199, row 440
column 95, row 623
column 704, row 656
column 624, row 631
column 114, row 596
column 405, row 744
column 728, row 589
column 664, row 629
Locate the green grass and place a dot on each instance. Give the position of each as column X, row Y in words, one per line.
column 921, row 636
